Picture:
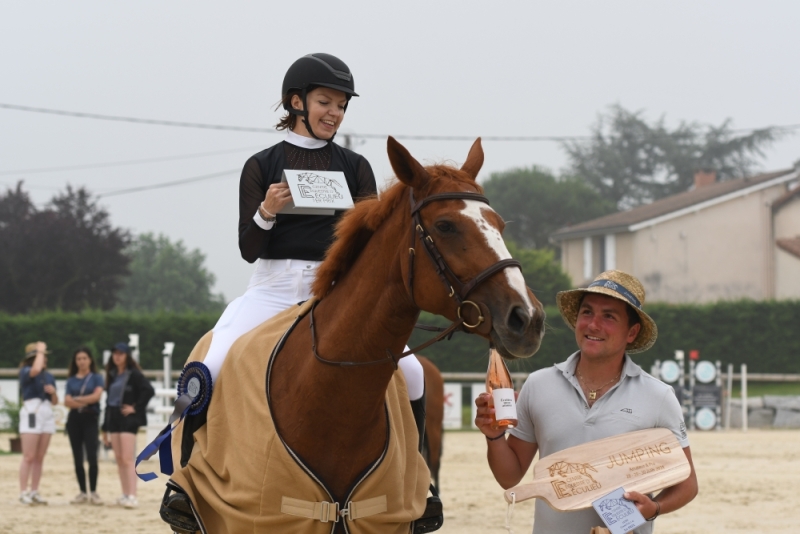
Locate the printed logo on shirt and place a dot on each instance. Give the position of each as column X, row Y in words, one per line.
column 683, row 430
column 627, row 410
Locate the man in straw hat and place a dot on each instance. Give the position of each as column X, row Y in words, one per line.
column 596, row 393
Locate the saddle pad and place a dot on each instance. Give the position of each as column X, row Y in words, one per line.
column 240, row 471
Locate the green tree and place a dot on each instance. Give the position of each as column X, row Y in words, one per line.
column 534, row 204
column 630, row 161
column 542, row 273
column 66, row 256
column 165, row 276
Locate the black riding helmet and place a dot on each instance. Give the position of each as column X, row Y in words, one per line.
column 316, row 70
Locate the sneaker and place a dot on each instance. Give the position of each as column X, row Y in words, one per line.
column 95, row 499
column 80, row 498
column 120, row 501
column 131, row 502
column 37, row 499
column 25, row 498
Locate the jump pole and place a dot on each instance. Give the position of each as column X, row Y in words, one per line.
column 728, row 397
column 169, row 346
column 744, row 397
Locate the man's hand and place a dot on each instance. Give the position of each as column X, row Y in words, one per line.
column 646, row 506
column 484, row 417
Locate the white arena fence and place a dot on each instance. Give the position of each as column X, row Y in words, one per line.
column 460, row 391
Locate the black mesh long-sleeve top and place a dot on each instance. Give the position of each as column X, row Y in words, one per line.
column 301, row 237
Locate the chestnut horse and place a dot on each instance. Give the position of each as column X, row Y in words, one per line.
column 328, row 380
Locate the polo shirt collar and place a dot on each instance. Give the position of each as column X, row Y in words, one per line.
column 629, row 368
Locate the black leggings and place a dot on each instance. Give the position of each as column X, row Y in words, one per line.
column 83, row 434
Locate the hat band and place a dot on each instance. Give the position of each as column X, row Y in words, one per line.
column 622, row 290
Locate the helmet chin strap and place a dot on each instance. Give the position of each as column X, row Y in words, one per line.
column 303, row 114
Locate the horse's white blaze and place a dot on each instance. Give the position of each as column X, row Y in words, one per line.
column 474, row 211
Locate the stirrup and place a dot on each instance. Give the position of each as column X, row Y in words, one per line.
column 433, row 516
column 176, row 511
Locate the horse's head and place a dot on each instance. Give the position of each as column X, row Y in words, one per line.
column 458, row 262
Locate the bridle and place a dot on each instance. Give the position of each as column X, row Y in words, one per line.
column 456, row 289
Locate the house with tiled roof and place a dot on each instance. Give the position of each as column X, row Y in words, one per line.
column 719, row 241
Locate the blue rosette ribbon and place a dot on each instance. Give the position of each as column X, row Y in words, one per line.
column 194, row 393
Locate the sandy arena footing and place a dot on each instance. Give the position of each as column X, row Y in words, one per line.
column 746, row 485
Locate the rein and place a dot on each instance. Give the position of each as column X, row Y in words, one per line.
column 389, row 357
column 456, row 289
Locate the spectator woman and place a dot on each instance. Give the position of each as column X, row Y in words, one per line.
column 128, row 393
column 36, row 421
column 84, row 388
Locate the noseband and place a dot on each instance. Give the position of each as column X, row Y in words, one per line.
column 456, row 289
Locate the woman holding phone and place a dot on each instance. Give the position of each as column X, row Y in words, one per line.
column 36, row 422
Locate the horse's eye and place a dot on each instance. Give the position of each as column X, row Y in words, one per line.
column 445, row 227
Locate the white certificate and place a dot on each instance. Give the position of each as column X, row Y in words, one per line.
column 317, row 192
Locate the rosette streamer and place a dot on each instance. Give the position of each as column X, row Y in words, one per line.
column 194, row 393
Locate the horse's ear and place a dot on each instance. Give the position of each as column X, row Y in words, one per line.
column 474, row 160
column 406, row 168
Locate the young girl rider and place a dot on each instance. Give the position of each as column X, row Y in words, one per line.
column 287, row 248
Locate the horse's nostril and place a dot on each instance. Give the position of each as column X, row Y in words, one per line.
column 518, row 319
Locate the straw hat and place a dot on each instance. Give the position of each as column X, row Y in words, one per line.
column 618, row 285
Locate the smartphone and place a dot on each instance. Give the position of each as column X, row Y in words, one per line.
column 31, row 420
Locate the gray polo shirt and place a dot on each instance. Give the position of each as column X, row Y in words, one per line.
column 553, row 413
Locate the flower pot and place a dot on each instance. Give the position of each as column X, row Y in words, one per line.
column 15, row 444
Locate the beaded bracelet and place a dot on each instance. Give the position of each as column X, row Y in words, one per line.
column 495, row 438
column 270, row 217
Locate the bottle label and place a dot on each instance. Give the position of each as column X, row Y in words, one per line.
column 505, row 407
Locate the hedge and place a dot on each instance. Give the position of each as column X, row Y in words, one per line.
column 64, row 332
column 764, row 335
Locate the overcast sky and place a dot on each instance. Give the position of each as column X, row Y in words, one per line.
column 512, row 68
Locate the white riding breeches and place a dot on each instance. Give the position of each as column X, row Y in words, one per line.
column 275, row 286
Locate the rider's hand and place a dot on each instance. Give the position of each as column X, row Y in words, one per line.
column 278, row 195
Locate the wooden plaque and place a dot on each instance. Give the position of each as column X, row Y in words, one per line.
column 643, row 461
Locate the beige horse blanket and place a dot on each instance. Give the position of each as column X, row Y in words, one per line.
column 242, row 478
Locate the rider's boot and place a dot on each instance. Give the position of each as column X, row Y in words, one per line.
column 176, row 511
column 418, row 407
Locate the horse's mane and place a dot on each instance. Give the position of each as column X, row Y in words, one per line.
column 356, row 227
